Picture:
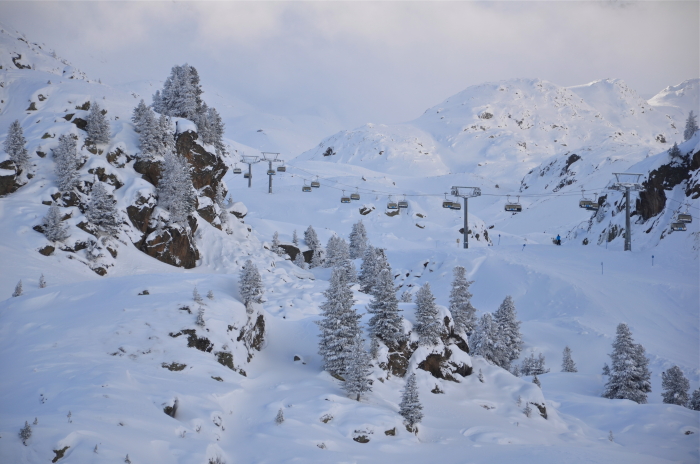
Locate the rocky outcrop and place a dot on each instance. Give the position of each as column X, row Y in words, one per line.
column 107, row 178
column 149, row 169
column 9, row 177
column 208, row 169
column 652, row 200
column 172, row 245
column 253, row 335
column 444, row 366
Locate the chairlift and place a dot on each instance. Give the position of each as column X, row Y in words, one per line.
column 684, row 217
column 513, row 207
column 403, row 203
column 391, row 204
column 356, row 195
column 246, row 175
column 456, row 206
column 344, row 199
column 585, row 202
column 316, row 183
column 678, row 226
column 594, row 204
column 305, row 188
column 282, row 168
column 447, row 203
column 236, row 169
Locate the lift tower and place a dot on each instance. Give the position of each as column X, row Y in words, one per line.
column 270, row 158
column 466, row 193
column 250, row 161
column 627, row 181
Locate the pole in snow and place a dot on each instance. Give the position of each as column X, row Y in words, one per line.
column 499, row 239
column 466, row 193
column 652, row 260
column 626, row 182
column 601, row 268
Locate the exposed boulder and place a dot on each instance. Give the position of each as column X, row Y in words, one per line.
column 208, row 169
column 9, row 177
column 253, row 335
column 149, row 169
column 107, row 178
column 291, row 250
column 443, row 365
column 140, row 211
column 652, row 200
column 172, row 245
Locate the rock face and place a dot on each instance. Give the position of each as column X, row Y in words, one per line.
column 207, row 168
column 653, row 199
column 9, row 177
column 149, row 169
column 172, row 245
column 253, row 335
column 443, row 366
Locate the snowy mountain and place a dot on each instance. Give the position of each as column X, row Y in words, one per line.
column 117, row 359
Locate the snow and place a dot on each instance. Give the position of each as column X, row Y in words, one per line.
column 93, row 346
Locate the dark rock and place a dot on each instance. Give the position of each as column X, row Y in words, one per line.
column 41, row 154
column 208, row 213
column 193, row 341
column 112, row 251
column 9, row 183
column 398, row 358
column 47, row 250
column 87, row 227
column 541, row 408
column 660, row 138
column 207, row 168
column 80, row 123
column 72, row 199
column 41, row 97
column 171, row 410
column 149, row 169
column 308, row 256
column 39, row 227
column 174, row 246
column 253, row 335
column 84, row 107
column 391, row 213
column 59, row 453
column 458, row 341
column 100, row 271
column 140, row 212
column 291, row 250
column 174, row 366
column 569, row 161
column 145, row 292
column 118, row 158
column 652, row 200
column 361, row 439
column 297, row 358
column 16, row 61
column 441, row 366
column 69, row 116
column 437, row 390
column 390, row 432
column 47, row 136
column 32, row 107
column 225, row 359
column 217, row 378
column 365, row 211
column 109, row 179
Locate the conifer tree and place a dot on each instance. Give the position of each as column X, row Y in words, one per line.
column 311, row 239
column 359, row 369
column 463, row 313
column 410, row 408
column 102, row 210
column 528, row 410
column 175, row 191
column 567, row 364
column 368, row 269
column 223, row 212
column 350, row 271
column 139, row 115
column 317, row 258
column 629, row 375
column 533, row 366
column 299, row 260
column 181, row 94
column 66, row 163
column 250, row 286
column 150, row 133
column 196, row 297
column 97, row 125
column 165, row 134
column 280, row 417
column 675, row 386
column 42, row 281
column 18, row 289
column 606, row 369
column 386, row 323
column 336, row 251
column 406, row 297
column 25, row 433
column 428, row 326
column 276, row 245
column 216, row 130
column 509, row 338
column 691, row 126
column 483, row 340
column 54, row 229
column 358, row 240
column 339, row 325
column 481, row 376
column 295, row 239
column 674, row 151
column 15, row 145
column 200, row 317
column 536, row 381
column 694, row 402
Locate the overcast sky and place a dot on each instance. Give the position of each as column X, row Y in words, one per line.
column 369, row 62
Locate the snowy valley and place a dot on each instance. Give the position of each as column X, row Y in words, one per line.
column 170, row 313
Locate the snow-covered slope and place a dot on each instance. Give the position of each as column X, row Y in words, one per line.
column 117, row 358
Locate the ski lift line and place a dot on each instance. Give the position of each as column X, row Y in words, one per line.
column 684, row 203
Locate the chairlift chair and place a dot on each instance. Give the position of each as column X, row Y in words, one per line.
column 403, row 203
column 684, row 217
column 584, row 202
column 344, row 199
column 271, row 172
column 456, row 206
column 236, row 169
column 678, row 226
column 391, row 204
column 447, row 203
column 316, row 183
column 282, row 168
column 594, row 204
column 305, row 188
column 356, row 195
column 246, row 175
column 513, row 207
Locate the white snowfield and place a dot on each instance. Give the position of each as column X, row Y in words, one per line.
column 98, row 362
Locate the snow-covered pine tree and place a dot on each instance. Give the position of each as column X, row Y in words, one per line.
column 358, row 240
column 606, row 369
column 42, row 281
column 339, row 324
column 567, row 364
column 428, row 326
column 536, row 381
column 166, row 135
column 66, row 162
column 279, row 418
column 102, row 210
column 216, row 130
column 139, row 115
column 675, row 386
column 694, row 402
column 295, row 239
column 150, row 134
column 25, row 433
column 18, row 289
column 196, row 297
column 317, row 258
column 528, row 410
column 223, row 212
column 406, row 297
column 691, row 126
column 481, row 376
column 463, row 313
column 181, row 94
column 409, row 407
column 314, row 244
column 250, row 286
column 15, row 145
column 350, row 271
column 358, row 370
column 484, row 338
column 97, row 125
column 629, row 375
column 533, row 366
column 674, row 151
column 210, row 294
column 276, row 245
column 368, row 269
column 54, row 229
column 175, row 191
column 386, row 323
column 200, row 317
column 336, row 251
column 509, row 339
column 299, row 260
